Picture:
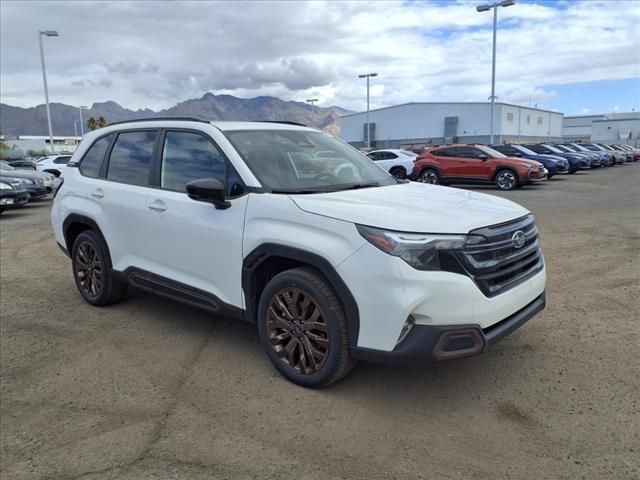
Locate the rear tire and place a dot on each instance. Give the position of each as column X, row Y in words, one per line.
column 430, row 176
column 303, row 328
column 92, row 271
column 506, row 179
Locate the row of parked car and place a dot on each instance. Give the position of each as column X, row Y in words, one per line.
column 507, row 166
column 22, row 180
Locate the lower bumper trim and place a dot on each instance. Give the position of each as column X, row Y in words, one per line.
column 435, row 343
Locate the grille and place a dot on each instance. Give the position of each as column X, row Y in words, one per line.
column 495, row 264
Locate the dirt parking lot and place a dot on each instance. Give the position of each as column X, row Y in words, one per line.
column 150, row 388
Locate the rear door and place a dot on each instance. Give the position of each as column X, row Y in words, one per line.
column 120, row 192
column 191, row 242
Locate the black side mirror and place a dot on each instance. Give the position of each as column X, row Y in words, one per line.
column 483, row 157
column 208, row 190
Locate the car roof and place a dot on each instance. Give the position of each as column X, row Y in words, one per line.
column 220, row 125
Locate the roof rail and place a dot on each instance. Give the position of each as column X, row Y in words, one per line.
column 285, row 122
column 158, row 119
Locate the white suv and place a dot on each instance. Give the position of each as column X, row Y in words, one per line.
column 333, row 258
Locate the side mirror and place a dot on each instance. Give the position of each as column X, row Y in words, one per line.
column 483, row 157
column 208, row 190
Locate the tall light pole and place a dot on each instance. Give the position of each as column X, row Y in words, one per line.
column 485, row 8
column 82, row 107
column 312, row 101
column 46, row 33
column 368, row 76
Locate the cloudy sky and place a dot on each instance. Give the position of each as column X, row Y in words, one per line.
column 573, row 56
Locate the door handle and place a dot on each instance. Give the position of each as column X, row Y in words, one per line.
column 158, row 206
column 97, row 193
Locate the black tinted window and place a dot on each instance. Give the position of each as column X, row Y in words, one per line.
column 467, row 152
column 92, row 160
column 62, row 160
column 131, row 157
column 442, row 153
column 189, row 156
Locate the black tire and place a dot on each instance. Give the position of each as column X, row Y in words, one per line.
column 430, row 176
column 398, row 172
column 506, row 179
column 571, row 172
column 96, row 284
column 289, row 329
column 550, row 176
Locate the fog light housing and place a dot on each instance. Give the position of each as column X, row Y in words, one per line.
column 6, row 201
column 406, row 328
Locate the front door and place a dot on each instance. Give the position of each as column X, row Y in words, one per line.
column 191, row 242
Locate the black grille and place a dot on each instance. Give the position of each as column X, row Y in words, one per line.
column 495, row 264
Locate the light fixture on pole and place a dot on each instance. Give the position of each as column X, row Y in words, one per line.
column 46, row 33
column 312, row 101
column 82, row 107
column 486, row 8
column 368, row 76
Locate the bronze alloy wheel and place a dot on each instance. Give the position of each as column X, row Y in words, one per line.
column 297, row 330
column 89, row 269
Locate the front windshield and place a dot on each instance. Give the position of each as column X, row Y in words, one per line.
column 304, row 161
column 606, row 147
column 524, row 150
column 562, row 148
column 593, row 148
column 491, row 152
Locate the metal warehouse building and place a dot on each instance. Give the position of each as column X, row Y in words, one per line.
column 420, row 124
column 609, row 128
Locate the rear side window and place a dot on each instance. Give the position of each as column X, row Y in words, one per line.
column 131, row 158
column 442, row 153
column 189, row 156
column 92, row 160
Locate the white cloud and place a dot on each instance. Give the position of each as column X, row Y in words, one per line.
column 154, row 54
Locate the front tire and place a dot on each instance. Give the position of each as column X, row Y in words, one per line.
column 303, row 328
column 506, row 180
column 92, row 271
column 398, row 173
column 430, row 176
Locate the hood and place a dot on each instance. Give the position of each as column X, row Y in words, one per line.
column 413, row 207
column 24, row 174
column 526, row 161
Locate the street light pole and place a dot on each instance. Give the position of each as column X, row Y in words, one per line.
column 484, row 8
column 368, row 76
column 48, row 33
column 81, row 107
column 312, row 101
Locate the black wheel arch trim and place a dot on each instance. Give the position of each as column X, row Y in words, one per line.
column 81, row 219
column 502, row 167
column 266, row 251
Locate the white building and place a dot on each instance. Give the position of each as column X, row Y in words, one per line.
column 605, row 128
column 464, row 122
column 24, row 143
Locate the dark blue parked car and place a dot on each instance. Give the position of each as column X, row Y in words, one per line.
column 553, row 164
column 576, row 160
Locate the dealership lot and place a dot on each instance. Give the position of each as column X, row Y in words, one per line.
column 150, row 388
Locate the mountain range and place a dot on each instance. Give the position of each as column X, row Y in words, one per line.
column 33, row 121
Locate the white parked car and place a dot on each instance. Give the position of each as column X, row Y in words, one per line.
column 230, row 216
column 398, row 163
column 54, row 164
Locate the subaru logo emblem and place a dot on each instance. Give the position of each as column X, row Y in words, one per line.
column 518, row 239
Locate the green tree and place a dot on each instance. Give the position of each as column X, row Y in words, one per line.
column 92, row 124
column 102, row 122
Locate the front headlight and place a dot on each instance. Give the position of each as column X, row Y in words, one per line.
column 5, row 186
column 420, row 250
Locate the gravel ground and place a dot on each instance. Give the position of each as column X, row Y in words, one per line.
column 150, row 388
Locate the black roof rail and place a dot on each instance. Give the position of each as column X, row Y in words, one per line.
column 285, row 122
column 159, row 119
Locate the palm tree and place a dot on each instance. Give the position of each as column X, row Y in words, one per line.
column 102, row 122
column 92, row 124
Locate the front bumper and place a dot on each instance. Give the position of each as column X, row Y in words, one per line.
column 435, row 343
column 13, row 199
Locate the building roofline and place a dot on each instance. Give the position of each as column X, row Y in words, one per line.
column 618, row 119
column 449, row 103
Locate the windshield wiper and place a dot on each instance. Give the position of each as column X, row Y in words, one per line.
column 355, row 186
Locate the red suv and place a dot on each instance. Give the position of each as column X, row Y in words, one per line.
column 476, row 164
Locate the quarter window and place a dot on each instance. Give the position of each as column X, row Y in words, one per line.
column 131, row 158
column 92, row 160
column 189, row 156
